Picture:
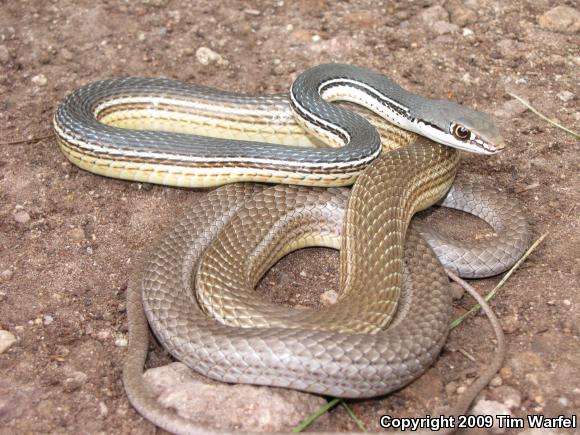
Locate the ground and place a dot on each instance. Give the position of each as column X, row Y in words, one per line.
column 69, row 238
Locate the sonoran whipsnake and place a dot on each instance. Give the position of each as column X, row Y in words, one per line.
column 386, row 195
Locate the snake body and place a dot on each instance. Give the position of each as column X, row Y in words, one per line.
column 349, row 353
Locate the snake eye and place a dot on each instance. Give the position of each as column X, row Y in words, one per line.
column 460, row 132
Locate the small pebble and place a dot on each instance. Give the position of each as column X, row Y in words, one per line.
column 451, row 388
column 510, row 324
column 103, row 410
column 47, row 320
column 302, row 273
column 496, row 381
column 564, row 401
column 565, row 96
column 506, row 373
column 40, row 80
column 4, row 54
column 67, row 54
column 21, row 216
column 457, row 291
column 6, row 275
column 74, row 380
column 461, row 15
column 328, row 297
column 7, row 339
column 121, row 342
column 207, row 56
column 253, row 12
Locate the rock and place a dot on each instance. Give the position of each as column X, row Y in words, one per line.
column 21, row 216
column 4, row 54
column 47, row 320
column 229, row 407
column 507, row 395
column 40, row 80
column 121, row 342
column 451, row 388
column 496, row 381
column 444, row 27
column 565, row 96
column 6, row 275
column 491, row 407
column 103, row 410
column 510, row 109
column 564, row 401
column 506, row 373
column 207, row 56
column 510, row 324
column 328, row 298
column 74, row 379
column 253, row 12
column 7, row 339
column 433, row 14
column 561, row 19
column 67, row 54
column 460, row 15
column 457, row 291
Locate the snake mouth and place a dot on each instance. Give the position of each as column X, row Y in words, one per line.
column 495, row 147
column 500, row 145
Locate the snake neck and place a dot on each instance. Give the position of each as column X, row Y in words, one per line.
column 383, row 201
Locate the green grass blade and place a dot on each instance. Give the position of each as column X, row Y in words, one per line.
column 308, row 421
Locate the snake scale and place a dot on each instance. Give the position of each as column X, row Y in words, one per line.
column 346, row 350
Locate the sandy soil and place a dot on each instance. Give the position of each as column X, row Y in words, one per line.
column 69, row 238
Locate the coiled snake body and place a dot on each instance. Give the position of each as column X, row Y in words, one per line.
column 243, row 229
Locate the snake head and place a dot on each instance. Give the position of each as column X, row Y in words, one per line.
column 461, row 127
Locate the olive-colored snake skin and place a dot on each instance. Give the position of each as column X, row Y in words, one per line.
column 297, row 349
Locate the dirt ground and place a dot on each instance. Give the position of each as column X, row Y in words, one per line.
column 69, row 238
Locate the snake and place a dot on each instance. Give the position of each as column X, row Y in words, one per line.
column 168, row 132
